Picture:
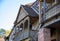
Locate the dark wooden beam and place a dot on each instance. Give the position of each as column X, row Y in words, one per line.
column 48, row 1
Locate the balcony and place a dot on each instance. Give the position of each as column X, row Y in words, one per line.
column 52, row 15
column 22, row 35
column 55, row 10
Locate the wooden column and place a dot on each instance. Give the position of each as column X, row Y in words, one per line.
column 40, row 10
column 29, row 25
column 44, row 10
column 23, row 25
column 15, row 30
column 40, row 13
column 44, row 34
column 57, row 35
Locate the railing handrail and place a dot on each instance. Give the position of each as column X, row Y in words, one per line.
column 21, row 33
column 53, row 11
column 51, row 7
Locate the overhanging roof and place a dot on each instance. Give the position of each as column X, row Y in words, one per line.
column 30, row 11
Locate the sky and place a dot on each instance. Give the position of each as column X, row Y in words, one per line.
column 8, row 12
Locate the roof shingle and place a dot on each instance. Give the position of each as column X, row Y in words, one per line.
column 30, row 11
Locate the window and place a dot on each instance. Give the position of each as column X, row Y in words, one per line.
column 30, row 26
column 20, row 29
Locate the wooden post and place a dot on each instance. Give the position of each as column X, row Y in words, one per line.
column 23, row 25
column 29, row 25
column 40, row 13
column 44, row 10
column 57, row 35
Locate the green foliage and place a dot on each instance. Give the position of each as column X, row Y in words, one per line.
column 2, row 32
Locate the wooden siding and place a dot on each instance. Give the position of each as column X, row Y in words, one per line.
column 22, row 15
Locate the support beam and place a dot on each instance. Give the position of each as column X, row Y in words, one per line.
column 48, row 1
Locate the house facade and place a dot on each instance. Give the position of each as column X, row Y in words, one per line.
column 24, row 23
column 50, row 22
column 39, row 21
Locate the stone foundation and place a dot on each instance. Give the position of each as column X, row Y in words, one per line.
column 44, row 34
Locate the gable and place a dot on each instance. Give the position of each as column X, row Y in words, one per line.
column 35, row 6
column 22, row 14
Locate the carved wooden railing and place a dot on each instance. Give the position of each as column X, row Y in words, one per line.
column 26, row 34
column 22, row 35
column 53, row 11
